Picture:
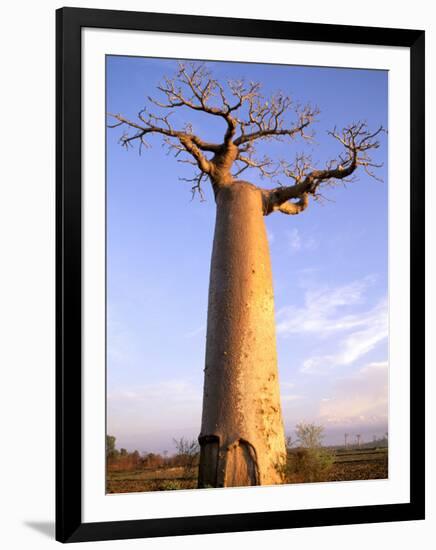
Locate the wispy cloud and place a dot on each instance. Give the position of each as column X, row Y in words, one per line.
column 320, row 310
column 287, row 397
column 288, row 394
column 294, row 240
column 297, row 242
column 270, row 235
column 360, row 399
column 372, row 328
column 327, row 311
column 137, row 415
column 173, row 390
column 201, row 330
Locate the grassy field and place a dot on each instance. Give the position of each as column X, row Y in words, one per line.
column 348, row 465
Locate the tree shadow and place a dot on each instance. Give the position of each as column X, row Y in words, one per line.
column 46, row 528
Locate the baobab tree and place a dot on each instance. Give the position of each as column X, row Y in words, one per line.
column 242, row 439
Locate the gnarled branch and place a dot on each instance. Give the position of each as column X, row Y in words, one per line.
column 191, row 143
column 254, row 118
column 293, row 208
column 357, row 141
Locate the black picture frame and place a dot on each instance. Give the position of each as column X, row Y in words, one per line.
column 69, row 525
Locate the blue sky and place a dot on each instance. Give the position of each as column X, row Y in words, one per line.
column 329, row 266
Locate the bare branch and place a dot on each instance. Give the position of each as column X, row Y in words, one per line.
column 357, row 141
column 246, row 112
column 196, row 188
column 191, row 143
column 194, row 88
column 266, row 120
column 293, row 208
column 265, row 166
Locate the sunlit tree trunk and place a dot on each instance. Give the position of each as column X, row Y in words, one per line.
column 242, row 438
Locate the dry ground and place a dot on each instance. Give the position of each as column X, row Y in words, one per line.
column 351, row 464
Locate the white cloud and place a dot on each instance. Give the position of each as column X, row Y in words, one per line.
column 374, row 330
column 294, row 239
column 171, row 390
column 270, row 236
column 359, row 399
column 201, row 330
column 148, row 417
column 327, row 311
column 320, row 310
column 297, row 242
column 286, row 395
column 369, row 330
column 286, row 398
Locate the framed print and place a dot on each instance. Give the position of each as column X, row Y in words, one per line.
column 240, row 275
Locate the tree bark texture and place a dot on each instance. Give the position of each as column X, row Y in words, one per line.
column 242, row 438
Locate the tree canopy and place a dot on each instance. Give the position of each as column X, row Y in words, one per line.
column 249, row 118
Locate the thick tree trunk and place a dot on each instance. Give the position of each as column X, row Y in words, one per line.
column 242, row 438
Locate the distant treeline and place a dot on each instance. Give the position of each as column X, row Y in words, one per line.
column 376, row 442
column 307, row 458
column 187, row 456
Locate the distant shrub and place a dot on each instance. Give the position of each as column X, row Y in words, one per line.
column 310, row 461
column 310, row 465
column 188, row 453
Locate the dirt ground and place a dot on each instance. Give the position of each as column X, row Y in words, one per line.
column 349, row 465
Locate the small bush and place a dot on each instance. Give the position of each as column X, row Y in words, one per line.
column 188, row 454
column 310, row 462
column 310, row 465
